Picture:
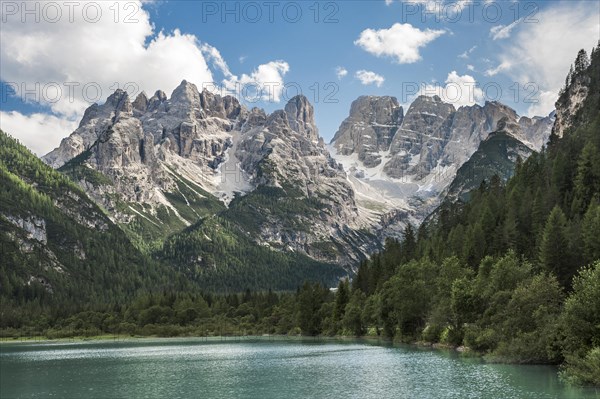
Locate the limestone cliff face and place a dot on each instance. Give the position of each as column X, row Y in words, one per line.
column 402, row 165
column 149, row 148
column 570, row 102
column 162, row 163
column 284, row 152
column 370, row 128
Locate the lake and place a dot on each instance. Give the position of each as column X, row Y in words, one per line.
column 262, row 369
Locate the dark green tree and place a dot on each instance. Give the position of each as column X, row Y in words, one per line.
column 554, row 249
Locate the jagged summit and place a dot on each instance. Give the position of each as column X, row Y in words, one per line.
column 162, row 163
column 301, row 116
column 407, row 161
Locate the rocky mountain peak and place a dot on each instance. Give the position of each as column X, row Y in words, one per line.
column 156, row 101
column 186, row 93
column 119, row 103
column 570, row 101
column 227, row 107
column 370, row 128
column 141, row 102
column 427, row 104
column 255, row 118
column 377, row 109
column 509, row 125
column 301, row 116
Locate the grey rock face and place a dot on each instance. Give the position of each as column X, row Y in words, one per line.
column 536, row 130
column 33, row 226
column 140, row 104
column 284, row 152
column 138, row 146
column 570, row 102
column 432, row 135
column 420, row 139
column 301, row 117
column 370, row 128
column 407, row 169
column 147, row 147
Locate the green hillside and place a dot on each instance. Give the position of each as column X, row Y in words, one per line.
column 58, row 250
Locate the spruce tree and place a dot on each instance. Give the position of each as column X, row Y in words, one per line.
column 587, row 180
column 342, row 297
column 554, row 248
column 581, row 62
column 409, row 245
column 589, row 233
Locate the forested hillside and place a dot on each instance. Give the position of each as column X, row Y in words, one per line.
column 221, row 258
column 58, row 250
column 514, row 272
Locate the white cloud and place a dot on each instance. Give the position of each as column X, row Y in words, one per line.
column 368, row 77
column 264, row 83
column 544, row 105
column 468, row 52
column 104, row 54
column 458, row 90
column 401, row 42
column 470, row 67
column 39, row 132
column 341, row 72
column 68, row 56
column 504, row 66
column 541, row 53
column 214, row 56
column 503, row 31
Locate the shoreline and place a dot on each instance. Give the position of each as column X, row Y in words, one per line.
column 461, row 351
column 373, row 340
column 213, row 338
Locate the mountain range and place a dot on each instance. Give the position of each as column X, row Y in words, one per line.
column 237, row 198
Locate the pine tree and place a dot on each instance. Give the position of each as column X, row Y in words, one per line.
column 569, row 78
column 361, row 281
column 587, row 180
column 409, row 245
column 342, row 297
column 590, row 230
column 582, row 62
column 554, row 248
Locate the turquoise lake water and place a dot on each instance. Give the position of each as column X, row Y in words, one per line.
column 262, row 369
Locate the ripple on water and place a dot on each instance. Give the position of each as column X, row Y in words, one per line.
column 191, row 368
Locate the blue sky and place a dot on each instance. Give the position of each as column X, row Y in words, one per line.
column 465, row 51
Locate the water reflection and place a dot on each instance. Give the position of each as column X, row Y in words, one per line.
column 192, row 368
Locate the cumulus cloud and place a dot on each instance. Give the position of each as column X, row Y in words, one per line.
column 103, row 55
column 264, row 83
column 541, row 53
column 545, row 103
column 341, row 72
column 368, row 77
column 402, row 42
column 70, row 64
column 458, row 90
column 39, row 132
